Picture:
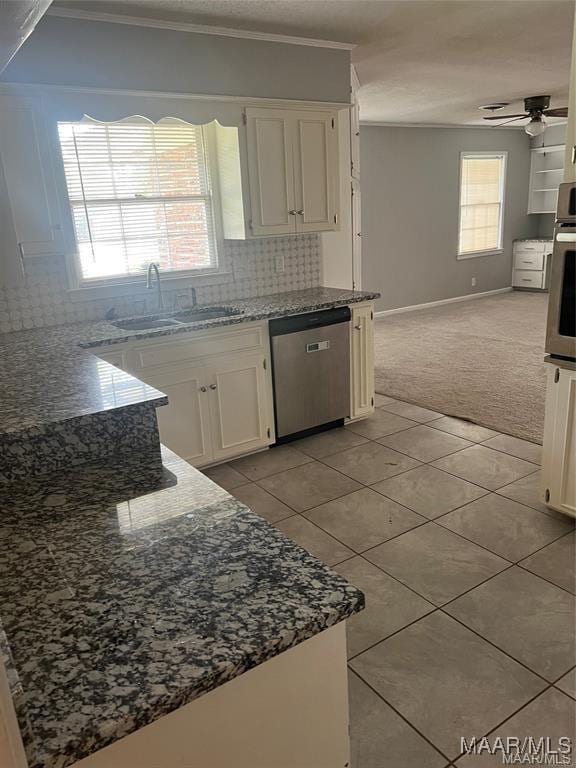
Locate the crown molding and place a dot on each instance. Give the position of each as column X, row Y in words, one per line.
column 39, row 89
column 377, row 124
column 182, row 26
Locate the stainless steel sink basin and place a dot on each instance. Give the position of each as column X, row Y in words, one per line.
column 144, row 324
column 192, row 315
column 210, row 313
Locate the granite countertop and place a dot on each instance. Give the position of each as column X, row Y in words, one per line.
column 47, row 378
column 244, row 311
column 129, row 587
column 125, row 595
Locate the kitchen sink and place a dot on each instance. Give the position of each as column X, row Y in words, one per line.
column 144, row 324
column 210, row 313
column 192, row 315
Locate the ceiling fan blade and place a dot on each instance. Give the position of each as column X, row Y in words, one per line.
column 505, row 117
column 558, row 112
column 512, row 120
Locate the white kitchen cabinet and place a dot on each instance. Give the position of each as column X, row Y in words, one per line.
column 531, row 262
column 315, row 171
column 293, row 171
column 559, row 451
column 362, row 361
column 239, row 408
column 271, row 171
column 29, row 184
column 218, row 385
column 184, row 423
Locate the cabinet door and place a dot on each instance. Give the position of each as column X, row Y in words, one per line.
column 315, row 171
column 270, row 170
column 184, row 422
column 559, row 454
column 240, row 406
column 24, row 153
column 362, row 361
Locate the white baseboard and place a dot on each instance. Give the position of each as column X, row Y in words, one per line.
column 429, row 304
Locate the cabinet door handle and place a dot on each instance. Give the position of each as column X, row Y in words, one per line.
column 358, row 327
column 292, row 213
column 203, row 389
column 213, row 386
column 300, row 212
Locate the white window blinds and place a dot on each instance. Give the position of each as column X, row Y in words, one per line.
column 139, row 193
column 481, row 202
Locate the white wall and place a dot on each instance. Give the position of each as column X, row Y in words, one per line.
column 410, row 195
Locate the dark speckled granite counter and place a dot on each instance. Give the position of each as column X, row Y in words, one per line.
column 243, row 311
column 62, row 405
column 132, row 584
column 123, row 597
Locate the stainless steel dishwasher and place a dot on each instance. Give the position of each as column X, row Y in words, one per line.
column 311, row 371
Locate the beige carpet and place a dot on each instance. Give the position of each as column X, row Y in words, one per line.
column 480, row 360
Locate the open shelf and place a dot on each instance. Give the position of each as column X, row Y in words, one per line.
column 545, row 169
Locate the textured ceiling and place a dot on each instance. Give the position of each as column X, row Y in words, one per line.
column 418, row 61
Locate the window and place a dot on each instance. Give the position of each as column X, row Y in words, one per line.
column 139, row 193
column 481, row 202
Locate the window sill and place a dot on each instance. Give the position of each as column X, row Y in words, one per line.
column 478, row 254
column 138, row 287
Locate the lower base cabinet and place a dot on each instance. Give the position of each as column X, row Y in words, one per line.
column 184, row 423
column 362, row 361
column 289, row 712
column 215, row 411
column 219, row 385
column 219, row 389
column 559, row 453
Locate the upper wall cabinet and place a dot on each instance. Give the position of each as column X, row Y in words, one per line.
column 292, row 158
column 27, row 170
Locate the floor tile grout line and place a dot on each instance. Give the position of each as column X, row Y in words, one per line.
column 440, row 609
column 366, row 485
column 552, row 583
column 492, row 490
column 517, row 711
column 483, row 546
column 493, row 644
column 423, row 597
column 413, row 727
column 425, row 461
column 435, row 609
column 430, row 519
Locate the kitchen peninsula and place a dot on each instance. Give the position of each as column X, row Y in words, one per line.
column 136, row 593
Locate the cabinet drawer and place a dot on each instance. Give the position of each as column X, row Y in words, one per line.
column 527, row 279
column 199, row 346
column 531, row 247
column 529, row 260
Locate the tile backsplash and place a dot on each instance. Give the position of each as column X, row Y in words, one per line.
column 43, row 300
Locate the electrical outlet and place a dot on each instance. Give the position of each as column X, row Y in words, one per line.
column 279, row 259
column 473, row 282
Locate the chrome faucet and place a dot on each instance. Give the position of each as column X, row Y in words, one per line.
column 153, row 268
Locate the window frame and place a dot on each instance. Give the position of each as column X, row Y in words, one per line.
column 460, row 256
column 118, row 285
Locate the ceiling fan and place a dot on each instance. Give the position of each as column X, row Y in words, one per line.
column 536, row 108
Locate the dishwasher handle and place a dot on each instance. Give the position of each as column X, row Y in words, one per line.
column 309, row 320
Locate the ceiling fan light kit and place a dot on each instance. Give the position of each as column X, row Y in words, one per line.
column 536, row 107
column 535, row 127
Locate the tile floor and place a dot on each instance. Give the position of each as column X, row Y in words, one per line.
column 469, row 580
